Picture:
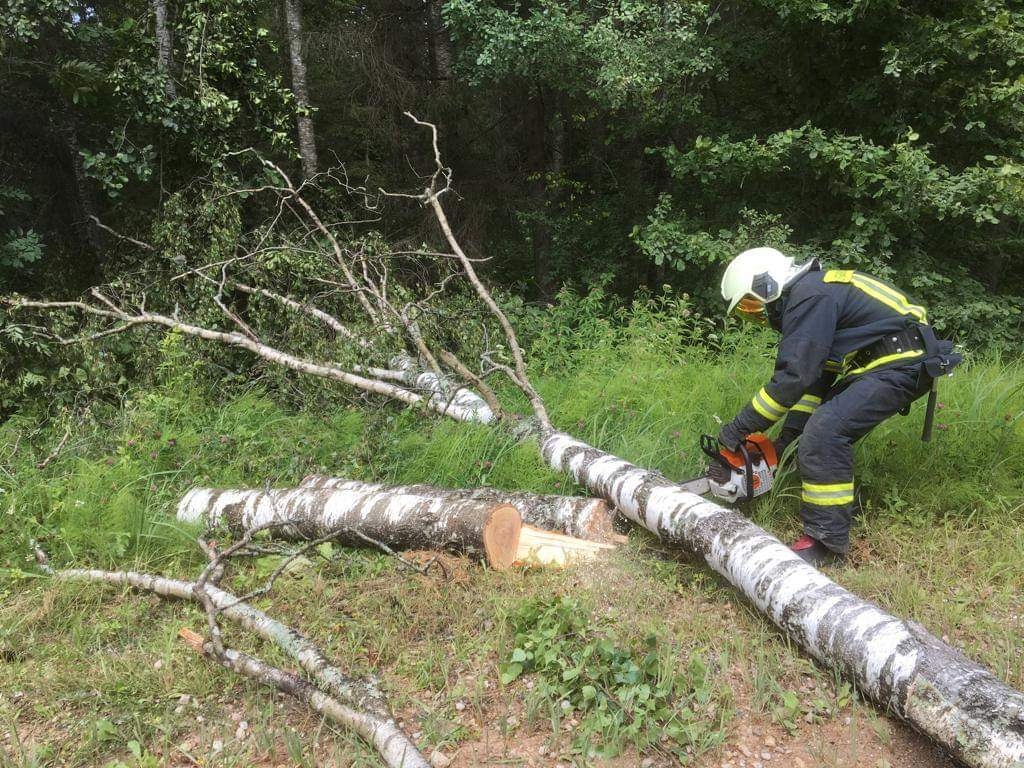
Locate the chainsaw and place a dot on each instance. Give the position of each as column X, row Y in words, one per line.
column 736, row 476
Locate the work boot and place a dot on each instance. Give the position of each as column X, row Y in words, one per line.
column 812, row 551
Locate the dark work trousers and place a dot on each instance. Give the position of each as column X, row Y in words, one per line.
column 825, row 455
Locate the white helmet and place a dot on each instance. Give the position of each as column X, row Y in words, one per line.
column 758, row 274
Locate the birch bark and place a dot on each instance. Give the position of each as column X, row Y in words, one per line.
column 483, row 529
column 164, row 47
column 304, row 119
column 897, row 664
column 576, row 516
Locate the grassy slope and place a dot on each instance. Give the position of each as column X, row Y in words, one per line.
column 92, row 677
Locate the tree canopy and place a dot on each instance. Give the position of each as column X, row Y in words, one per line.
column 619, row 142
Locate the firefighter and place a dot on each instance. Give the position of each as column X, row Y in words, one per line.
column 854, row 350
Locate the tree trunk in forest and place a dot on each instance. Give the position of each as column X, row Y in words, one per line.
column 993, row 269
column 164, row 47
column 482, row 529
column 537, row 158
column 439, row 45
column 582, row 518
column 897, row 664
column 304, row 118
column 87, row 209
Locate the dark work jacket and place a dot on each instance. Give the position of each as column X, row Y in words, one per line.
column 822, row 325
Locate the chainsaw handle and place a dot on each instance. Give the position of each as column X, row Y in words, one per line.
column 711, row 448
column 748, row 467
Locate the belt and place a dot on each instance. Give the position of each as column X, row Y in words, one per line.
column 891, row 345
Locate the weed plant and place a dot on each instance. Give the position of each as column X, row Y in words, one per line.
column 640, row 696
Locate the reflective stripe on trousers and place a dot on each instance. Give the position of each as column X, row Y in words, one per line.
column 825, row 453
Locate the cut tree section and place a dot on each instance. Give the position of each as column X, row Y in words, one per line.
column 580, row 517
column 362, row 514
column 481, row 529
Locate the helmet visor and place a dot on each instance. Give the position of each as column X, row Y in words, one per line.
column 751, row 309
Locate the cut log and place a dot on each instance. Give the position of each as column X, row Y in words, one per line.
column 580, row 517
column 537, row 547
column 482, row 529
column 957, row 703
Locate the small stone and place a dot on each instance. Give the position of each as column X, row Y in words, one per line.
column 648, row 762
column 439, row 759
column 218, row 745
column 158, row 664
column 766, row 755
column 745, row 751
column 769, row 741
column 460, row 705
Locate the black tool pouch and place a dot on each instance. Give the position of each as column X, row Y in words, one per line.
column 940, row 359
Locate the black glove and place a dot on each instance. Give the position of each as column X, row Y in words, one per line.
column 731, row 436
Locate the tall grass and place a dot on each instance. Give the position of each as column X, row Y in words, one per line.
column 642, row 381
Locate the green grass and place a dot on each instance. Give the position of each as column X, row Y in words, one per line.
column 94, row 676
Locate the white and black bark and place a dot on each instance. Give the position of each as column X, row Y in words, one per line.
column 577, row 516
column 304, row 117
column 440, row 388
column 164, row 47
column 485, row 530
column 896, row 663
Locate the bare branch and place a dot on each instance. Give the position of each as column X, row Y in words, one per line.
column 265, row 351
column 119, row 236
column 431, row 197
column 327, row 319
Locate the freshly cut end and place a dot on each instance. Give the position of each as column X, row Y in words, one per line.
column 501, row 536
column 192, row 639
column 554, row 550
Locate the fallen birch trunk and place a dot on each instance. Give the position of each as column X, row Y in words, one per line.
column 361, row 514
column 897, row 664
column 482, row 529
column 356, row 704
column 580, row 517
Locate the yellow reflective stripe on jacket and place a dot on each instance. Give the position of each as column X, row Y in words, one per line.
column 807, row 404
column 879, row 291
column 765, row 405
column 828, row 494
column 885, row 360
